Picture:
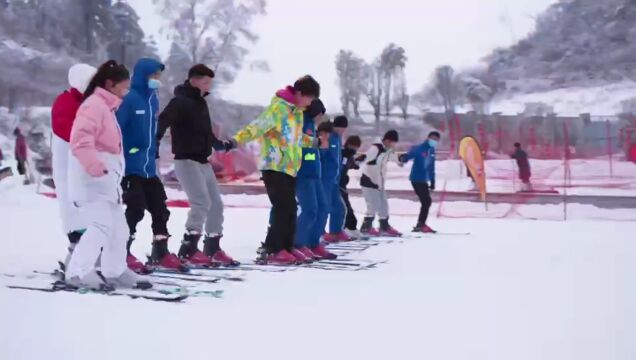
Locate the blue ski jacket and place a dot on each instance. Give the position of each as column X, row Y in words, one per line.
column 423, row 156
column 137, row 117
column 331, row 159
column 310, row 164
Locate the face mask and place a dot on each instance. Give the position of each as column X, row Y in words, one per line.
column 154, row 84
column 432, row 143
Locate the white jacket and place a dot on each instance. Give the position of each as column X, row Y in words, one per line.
column 83, row 188
column 375, row 164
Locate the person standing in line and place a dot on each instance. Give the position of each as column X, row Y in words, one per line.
column 332, row 163
column 96, row 168
column 63, row 114
column 143, row 189
column 373, row 182
column 188, row 117
column 309, row 192
column 279, row 130
column 350, row 162
column 423, row 177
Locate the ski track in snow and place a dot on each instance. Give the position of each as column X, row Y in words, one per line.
column 513, row 289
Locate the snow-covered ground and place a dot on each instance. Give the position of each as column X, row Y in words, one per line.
column 513, row 289
column 600, row 100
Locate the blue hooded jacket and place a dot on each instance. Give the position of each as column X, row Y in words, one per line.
column 310, row 164
column 331, row 159
column 137, row 117
column 423, row 156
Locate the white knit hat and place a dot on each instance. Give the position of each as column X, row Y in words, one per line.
column 79, row 75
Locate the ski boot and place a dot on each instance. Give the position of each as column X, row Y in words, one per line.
column 218, row 257
column 367, row 227
column 308, row 253
column 130, row 280
column 93, row 280
column 323, row 254
column 387, row 230
column 133, row 263
column 425, row 229
column 283, row 258
column 161, row 257
column 189, row 251
column 300, row 257
column 339, row 237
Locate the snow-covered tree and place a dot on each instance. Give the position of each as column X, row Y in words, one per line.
column 216, row 32
column 373, row 89
column 351, row 71
column 392, row 60
column 127, row 44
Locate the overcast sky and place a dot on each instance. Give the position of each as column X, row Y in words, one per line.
column 433, row 32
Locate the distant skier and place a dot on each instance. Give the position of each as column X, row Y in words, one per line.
column 279, row 130
column 188, row 117
column 21, row 154
column 373, row 181
column 95, row 171
column 331, row 159
column 63, row 115
column 423, row 176
column 350, row 161
column 142, row 187
column 523, row 165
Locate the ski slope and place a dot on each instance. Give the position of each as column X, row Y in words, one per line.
column 523, row 290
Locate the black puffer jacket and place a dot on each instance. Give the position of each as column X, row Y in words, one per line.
column 188, row 118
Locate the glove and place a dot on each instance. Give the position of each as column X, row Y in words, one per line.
column 432, row 186
column 402, row 158
column 361, row 158
column 230, row 144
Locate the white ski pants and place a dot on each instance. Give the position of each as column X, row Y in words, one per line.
column 71, row 216
column 107, row 232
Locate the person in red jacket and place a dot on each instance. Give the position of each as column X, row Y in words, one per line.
column 62, row 117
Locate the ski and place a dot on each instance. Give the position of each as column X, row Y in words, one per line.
column 154, row 295
column 194, row 276
column 418, row 235
column 170, row 291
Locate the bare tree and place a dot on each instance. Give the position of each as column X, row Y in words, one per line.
column 445, row 86
column 373, row 90
column 392, row 60
column 477, row 93
column 213, row 31
column 400, row 96
column 351, row 72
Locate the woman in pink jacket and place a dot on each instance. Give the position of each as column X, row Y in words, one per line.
column 95, row 171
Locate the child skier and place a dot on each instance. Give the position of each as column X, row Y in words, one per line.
column 373, row 181
column 310, row 193
column 423, row 176
column 188, row 118
column 95, row 172
column 142, row 186
column 279, row 132
column 62, row 118
column 331, row 159
column 350, row 161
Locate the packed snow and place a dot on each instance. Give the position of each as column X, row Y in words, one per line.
column 512, row 289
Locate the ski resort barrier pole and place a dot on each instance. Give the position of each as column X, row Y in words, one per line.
column 566, row 164
column 608, row 128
